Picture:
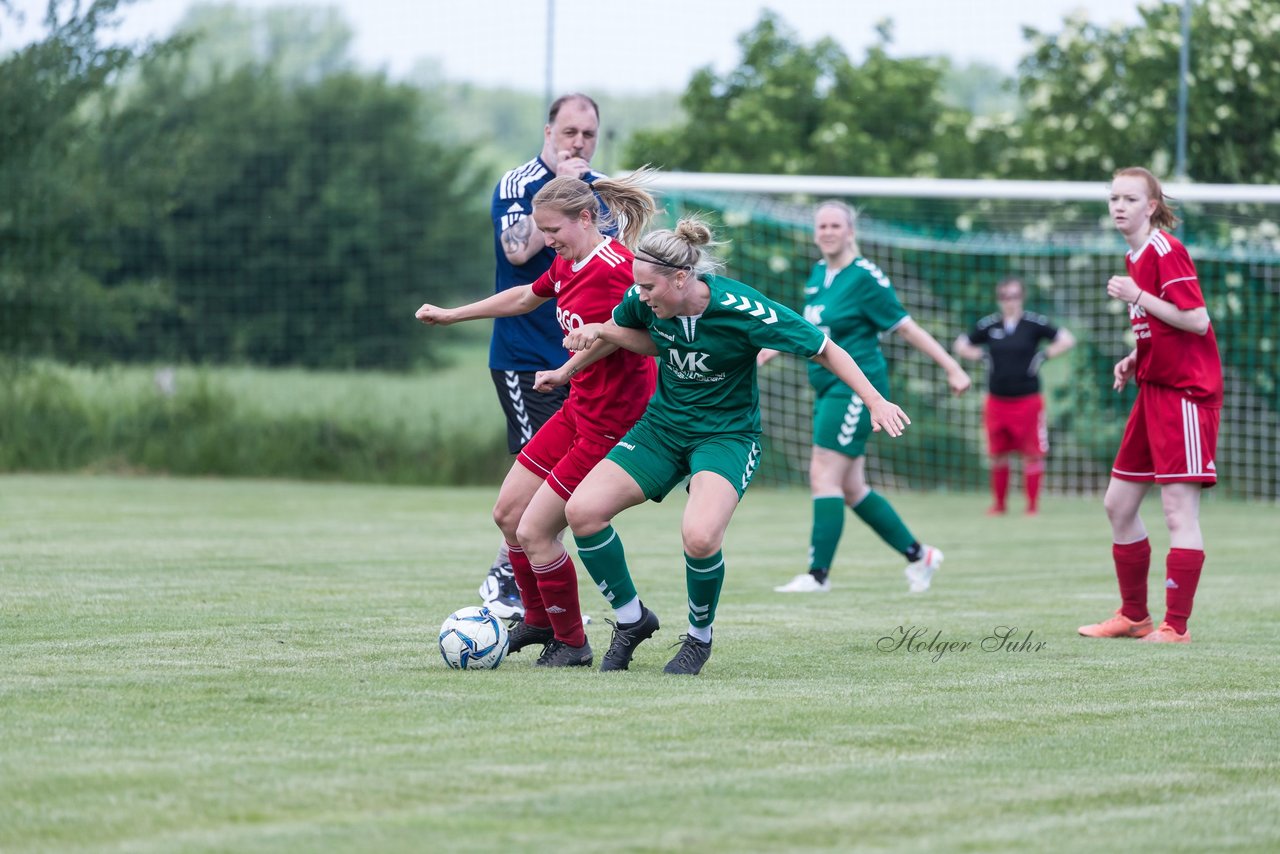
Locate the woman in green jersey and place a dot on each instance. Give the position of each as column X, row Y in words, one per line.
column 703, row 423
column 852, row 301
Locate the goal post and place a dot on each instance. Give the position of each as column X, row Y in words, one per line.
column 945, row 244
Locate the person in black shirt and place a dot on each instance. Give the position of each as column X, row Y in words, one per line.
column 1014, row 410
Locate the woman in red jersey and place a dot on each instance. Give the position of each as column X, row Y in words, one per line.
column 1173, row 429
column 588, row 277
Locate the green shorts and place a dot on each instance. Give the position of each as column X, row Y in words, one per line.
column 841, row 422
column 659, row 461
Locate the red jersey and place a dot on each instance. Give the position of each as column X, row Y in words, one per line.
column 1167, row 356
column 610, row 395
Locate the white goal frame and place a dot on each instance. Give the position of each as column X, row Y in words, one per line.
column 1251, row 425
column 949, row 188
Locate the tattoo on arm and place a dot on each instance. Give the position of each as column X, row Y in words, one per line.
column 515, row 240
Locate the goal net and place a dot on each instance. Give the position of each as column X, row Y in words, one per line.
column 945, row 245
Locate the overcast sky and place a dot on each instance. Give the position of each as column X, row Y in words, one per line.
column 635, row 45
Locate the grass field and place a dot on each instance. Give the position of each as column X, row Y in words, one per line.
column 206, row 665
column 353, row 426
column 446, row 396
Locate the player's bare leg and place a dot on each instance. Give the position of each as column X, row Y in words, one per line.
column 556, row 579
column 518, row 488
column 1122, row 501
column 606, row 491
column 1131, row 554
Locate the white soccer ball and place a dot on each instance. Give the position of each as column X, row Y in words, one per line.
column 473, row 639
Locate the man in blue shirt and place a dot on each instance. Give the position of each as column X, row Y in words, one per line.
column 523, row 345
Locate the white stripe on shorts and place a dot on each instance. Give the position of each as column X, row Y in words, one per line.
column 1191, row 436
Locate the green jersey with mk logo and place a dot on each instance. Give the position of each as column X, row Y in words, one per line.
column 707, row 364
column 853, row 306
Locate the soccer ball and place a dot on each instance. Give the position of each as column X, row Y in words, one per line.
column 473, row 639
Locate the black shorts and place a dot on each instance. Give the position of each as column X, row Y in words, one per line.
column 526, row 409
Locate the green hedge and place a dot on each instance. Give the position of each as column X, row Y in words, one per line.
column 413, row 429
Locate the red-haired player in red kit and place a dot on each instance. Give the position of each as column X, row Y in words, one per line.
column 1173, row 429
column 588, row 277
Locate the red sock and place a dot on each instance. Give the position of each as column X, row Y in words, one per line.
column 1182, row 574
column 534, row 612
column 1133, row 563
column 558, row 585
column 999, row 486
column 1032, row 472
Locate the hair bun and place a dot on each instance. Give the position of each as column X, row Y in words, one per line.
column 695, row 232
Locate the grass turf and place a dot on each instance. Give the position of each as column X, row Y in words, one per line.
column 204, row 665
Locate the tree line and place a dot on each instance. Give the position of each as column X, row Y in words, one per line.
column 1085, row 101
column 221, row 196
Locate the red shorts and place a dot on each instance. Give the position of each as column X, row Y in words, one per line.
column 562, row 456
column 1016, row 425
column 1168, row 439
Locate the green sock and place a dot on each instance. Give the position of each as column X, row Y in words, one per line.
column 603, row 556
column 828, row 525
column 703, row 576
column 884, row 520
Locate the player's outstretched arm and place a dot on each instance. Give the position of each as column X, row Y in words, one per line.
column 635, row 340
column 545, row 381
column 966, row 349
column 508, row 303
column 583, row 337
column 885, row 415
column 915, row 335
column 1061, row 343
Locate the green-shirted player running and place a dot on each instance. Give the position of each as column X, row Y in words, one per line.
column 703, row 423
column 851, row 300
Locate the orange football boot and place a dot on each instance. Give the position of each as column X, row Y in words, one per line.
column 1118, row 626
column 1166, row 634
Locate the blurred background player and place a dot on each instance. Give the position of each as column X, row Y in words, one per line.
column 525, row 344
column 852, row 301
column 1172, row 432
column 586, row 280
column 1013, row 411
column 702, row 424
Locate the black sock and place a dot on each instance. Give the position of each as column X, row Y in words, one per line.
column 914, row 552
column 820, row 575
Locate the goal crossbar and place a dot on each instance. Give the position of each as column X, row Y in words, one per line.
column 947, row 188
